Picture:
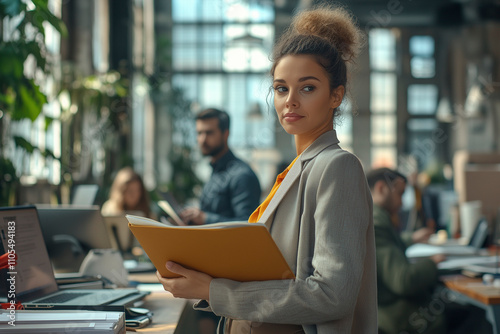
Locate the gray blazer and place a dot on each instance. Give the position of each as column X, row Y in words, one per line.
column 321, row 219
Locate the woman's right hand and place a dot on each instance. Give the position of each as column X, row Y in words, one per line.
column 191, row 285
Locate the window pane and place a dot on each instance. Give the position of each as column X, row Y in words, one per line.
column 212, row 58
column 259, row 60
column 185, row 58
column 261, row 12
column 384, row 157
column 422, row 99
column 423, row 143
column 189, row 85
column 212, row 89
column 382, row 92
column 383, row 129
column 382, row 50
column 243, row 11
column 344, row 130
column 422, row 46
column 211, row 34
column 236, row 96
column 212, row 10
column 422, row 67
column 185, row 10
column 422, row 124
column 184, row 34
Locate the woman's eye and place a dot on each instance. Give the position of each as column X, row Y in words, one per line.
column 309, row 88
column 280, row 89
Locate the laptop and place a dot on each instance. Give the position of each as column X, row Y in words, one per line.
column 70, row 232
column 35, row 283
column 476, row 243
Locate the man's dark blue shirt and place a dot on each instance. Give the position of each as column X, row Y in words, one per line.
column 232, row 193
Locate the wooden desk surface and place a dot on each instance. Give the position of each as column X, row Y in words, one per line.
column 473, row 288
column 167, row 311
column 165, row 307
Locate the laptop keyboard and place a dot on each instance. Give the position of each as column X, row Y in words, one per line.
column 61, row 298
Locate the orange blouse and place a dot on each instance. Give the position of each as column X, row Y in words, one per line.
column 257, row 214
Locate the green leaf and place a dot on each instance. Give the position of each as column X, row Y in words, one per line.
column 31, row 102
column 10, row 66
column 12, row 8
column 24, row 144
column 44, row 14
column 36, row 17
column 33, row 48
column 48, row 154
column 48, row 122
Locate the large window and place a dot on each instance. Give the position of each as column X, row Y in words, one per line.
column 422, row 101
column 220, row 59
column 422, row 61
column 383, row 98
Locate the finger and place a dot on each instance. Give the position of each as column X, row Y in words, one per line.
column 160, row 277
column 177, row 268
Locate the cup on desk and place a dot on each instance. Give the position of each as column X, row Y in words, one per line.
column 470, row 213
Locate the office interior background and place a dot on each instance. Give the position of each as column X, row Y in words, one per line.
column 123, row 80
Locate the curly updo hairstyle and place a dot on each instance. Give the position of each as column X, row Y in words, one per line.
column 327, row 33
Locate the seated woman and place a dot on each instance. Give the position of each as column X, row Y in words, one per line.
column 127, row 194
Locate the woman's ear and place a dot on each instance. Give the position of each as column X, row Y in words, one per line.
column 337, row 96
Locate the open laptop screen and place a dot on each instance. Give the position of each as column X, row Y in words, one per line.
column 33, row 273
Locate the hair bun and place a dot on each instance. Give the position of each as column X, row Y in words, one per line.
column 334, row 24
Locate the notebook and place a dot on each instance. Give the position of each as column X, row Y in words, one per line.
column 35, row 283
column 474, row 246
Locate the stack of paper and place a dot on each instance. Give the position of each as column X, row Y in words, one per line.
column 64, row 321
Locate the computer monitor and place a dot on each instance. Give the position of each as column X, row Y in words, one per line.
column 70, row 232
column 85, row 194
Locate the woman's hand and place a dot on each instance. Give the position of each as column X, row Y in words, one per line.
column 192, row 285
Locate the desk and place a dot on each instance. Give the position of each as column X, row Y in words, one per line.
column 473, row 291
column 167, row 311
column 165, row 307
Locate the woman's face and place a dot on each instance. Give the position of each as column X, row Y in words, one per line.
column 302, row 96
column 132, row 194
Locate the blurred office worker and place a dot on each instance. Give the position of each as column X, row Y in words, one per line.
column 233, row 190
column 408, row 292
column 127, row 194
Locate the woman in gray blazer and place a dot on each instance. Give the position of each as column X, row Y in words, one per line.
column 320, row 215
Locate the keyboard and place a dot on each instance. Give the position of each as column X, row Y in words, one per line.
column 61, row 298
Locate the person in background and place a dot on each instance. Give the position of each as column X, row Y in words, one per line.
column 319, row 212
column 127, row 194
column 407, row 290
column 233, row 191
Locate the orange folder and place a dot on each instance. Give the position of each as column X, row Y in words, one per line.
column 238, row 251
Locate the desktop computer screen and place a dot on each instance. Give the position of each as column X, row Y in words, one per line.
column 70, row 232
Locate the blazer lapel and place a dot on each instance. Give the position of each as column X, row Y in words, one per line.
column 287, row 182
column 323, row 141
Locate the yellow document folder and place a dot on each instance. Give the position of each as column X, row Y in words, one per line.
column 239, row 251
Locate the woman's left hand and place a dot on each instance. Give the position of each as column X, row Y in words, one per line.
column 191, row 285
